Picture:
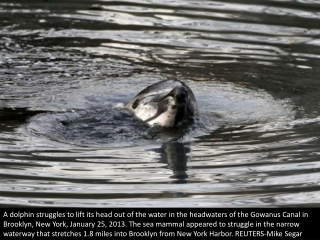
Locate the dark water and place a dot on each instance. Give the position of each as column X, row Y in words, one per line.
column 68, row 67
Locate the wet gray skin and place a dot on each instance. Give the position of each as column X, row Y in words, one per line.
column 167, row 103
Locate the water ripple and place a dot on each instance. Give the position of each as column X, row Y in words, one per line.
column 65, row 139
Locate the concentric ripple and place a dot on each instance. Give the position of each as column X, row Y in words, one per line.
column 67, row 68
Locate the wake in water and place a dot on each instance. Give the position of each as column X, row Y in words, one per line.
column 112, row 125
column 221, row 107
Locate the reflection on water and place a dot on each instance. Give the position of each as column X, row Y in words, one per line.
column 66, row 73
column 174, row 154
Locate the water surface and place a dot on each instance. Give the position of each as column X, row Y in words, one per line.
column 67, row 68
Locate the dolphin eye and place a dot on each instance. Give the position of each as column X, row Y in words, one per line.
column 181, row 97
column 135, row 104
